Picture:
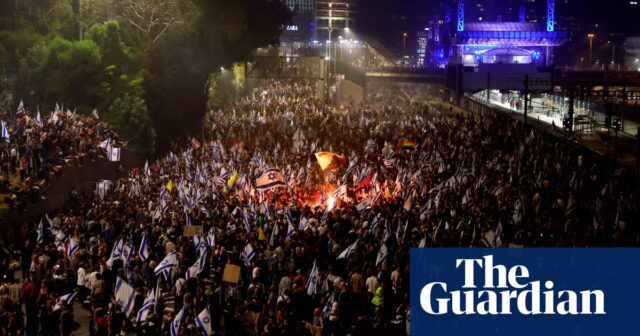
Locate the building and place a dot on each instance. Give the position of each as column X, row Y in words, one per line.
column 632, row 53
column 302, row 6
column 334, row 17
column 303, row 22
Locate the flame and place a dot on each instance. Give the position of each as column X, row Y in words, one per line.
column 331, row 203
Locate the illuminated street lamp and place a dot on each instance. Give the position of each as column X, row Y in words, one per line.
column 590, row 35
column 404, row 43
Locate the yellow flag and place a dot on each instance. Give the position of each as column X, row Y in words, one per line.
column 328, row 161
column 232, row 179
column 261, row 235
column 170, row 186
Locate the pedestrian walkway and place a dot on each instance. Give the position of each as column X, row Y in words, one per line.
column 622, row 146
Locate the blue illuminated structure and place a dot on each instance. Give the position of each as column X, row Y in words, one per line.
column 460, row 22
column 506, row 42
column 551, row 9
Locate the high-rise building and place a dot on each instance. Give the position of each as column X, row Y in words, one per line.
column 302, row 6
column 333, row 17
column 303, row 22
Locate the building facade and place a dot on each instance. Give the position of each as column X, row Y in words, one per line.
column 632, row 53
column 334, row 17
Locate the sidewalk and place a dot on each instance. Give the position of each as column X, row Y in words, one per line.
column 626, row 148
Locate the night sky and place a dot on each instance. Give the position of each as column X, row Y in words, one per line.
column 386, row 20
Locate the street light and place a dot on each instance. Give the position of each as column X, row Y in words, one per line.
column 590, row 35
column 404, row 43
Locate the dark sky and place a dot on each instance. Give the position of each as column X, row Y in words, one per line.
column 386, row 20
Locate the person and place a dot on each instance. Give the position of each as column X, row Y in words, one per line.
column 100, row 322
column 412, row 179
column 317, row 326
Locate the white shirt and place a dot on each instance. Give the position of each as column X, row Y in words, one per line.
column 82, row 274
column 90, row 279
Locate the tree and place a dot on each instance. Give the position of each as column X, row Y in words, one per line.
column 131, row 119
column 180, row 63
column 66, row 70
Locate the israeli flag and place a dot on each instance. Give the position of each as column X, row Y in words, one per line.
column 177, row 322
column 290, row 230
column 5, row 132
column 274, row 233
column 105, row 144
column 170, row 261
column 114, row 154
column 248, row 254
column 20, row 109
column 94, row 114
column 382, row 254
column 116, row 252
column 197, row 267
column 67, row 299
column 143, row 251
column 39, row 119
column 125, row 295
column 211, row 238
column 312, row 283
column 73, row 247
column 147, row 170
column 345, row 254
column 147, row 306
column 204, row 322
column 40, row 231
column 245, row 220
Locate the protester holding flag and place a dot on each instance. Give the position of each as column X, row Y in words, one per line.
column 203, row 232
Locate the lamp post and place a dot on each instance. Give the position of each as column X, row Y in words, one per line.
column 404, row 43
column 590, row 35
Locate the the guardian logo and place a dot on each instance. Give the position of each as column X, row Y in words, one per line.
column 494, row 289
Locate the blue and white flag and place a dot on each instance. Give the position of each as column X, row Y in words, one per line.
column 39, row 121
column 116, row 252
column 105, row 144
column 102, row 188
column 290, row 230
column 211, row 238
column 245, row 220
column 147, row 170
column 304, row 223
column 382, row 254
column 5, row 132
column 347, row 251
column 197, row 267
column 204, row 322
column 40, row 231
column 143, row 251
column 20, row 109
column 94, row 114
column 113, row 154
column 64, row 299
column 312, row 283
column 72, row 247
column 147, row 306
column 125, row 295
column 271, row 178
column 177, row 322
column 247, row 254
column 274, row 234
column 170, row 261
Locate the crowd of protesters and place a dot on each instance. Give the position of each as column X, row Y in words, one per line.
column 312, row 251
column 35, row 150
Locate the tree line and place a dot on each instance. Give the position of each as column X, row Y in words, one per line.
column 149, row 66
